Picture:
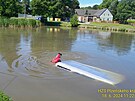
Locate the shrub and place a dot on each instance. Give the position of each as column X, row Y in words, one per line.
column 18, row 22
column 74, row 21
column 131, row 20
column 4, row 22
column 1, row 22
column 14, row 22
column 28, row 22
column 4, row 97
column 38, row 23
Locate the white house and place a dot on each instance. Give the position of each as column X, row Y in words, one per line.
column 87, row 15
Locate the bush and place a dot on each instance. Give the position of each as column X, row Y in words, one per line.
column 131, row 20
column 1, row 22
column 74, row 21
column 4, row 22
column 4, row 97
column 22, row 22
column 38, row 23
column 14, row 22
column 18, row 22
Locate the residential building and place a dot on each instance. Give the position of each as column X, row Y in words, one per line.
column 88, row 15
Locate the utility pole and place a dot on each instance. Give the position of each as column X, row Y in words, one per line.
column 25, row 10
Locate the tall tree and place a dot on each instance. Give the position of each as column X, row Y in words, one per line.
column 26, row 6
column 40, row 7
column 105, row 4
column 121, row 9
column 54, row 8
column 9, row 8
column 113, row 8
column 125, row 10
column 89, row 7
column 95, row 7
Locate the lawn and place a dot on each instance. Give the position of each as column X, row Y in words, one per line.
column 114, row 26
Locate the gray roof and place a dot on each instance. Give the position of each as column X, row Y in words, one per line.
column 89, row 12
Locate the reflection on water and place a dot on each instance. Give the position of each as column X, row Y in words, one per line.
column 25, row 51
column 117, row 42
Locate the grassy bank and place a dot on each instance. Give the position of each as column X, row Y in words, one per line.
column 103, row 26
column 65, row 24
column 109, row 26
column 4, row 97
column 18, row 22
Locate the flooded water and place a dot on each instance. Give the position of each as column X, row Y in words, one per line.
column 26, row 54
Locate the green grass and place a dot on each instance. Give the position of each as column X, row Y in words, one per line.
column 107, row 26
column 98, row 24
column 114, row 25
column 103, row 26
column 65, row 24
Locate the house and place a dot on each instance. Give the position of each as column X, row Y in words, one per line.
column 88, row 15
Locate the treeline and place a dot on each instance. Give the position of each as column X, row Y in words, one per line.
column 121, row 9
column 95, row 7
column 54, row 8
column 11, row 8
column 45, row 8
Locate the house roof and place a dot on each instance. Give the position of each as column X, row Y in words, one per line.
column 89, row 12
column 100, row 12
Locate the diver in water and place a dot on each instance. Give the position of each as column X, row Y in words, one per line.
column 57, row 58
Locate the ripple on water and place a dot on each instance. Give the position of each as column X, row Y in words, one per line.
column 39, row 65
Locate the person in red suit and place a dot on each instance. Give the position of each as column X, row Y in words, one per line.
column 57, row 58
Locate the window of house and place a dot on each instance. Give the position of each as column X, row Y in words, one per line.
column 108, row 14
column 107, row 19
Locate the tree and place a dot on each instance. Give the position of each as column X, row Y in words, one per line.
column 105, row 4
column 54, row 8
column 95, row 7
column 89, row 7
column 26, row 6
column 9, row 8
column 125, row 10
column 121, row 9
column 40, row 7
column 113, row 8
column 74, row 21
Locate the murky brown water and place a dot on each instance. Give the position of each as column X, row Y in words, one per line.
column 27, row 53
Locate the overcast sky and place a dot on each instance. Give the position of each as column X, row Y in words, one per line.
column 85, row 3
